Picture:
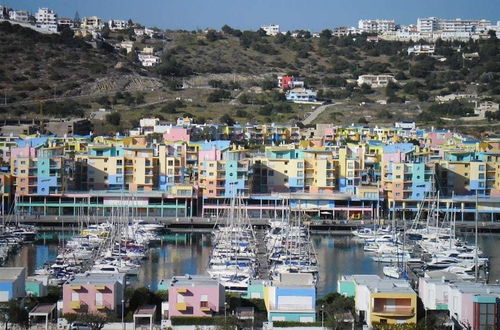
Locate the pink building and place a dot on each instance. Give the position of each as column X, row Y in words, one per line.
column 193, row 295
column 93, row 293
column 176, row 134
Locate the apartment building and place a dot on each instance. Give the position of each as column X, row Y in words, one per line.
column 433, row 24
column 193, row 296
column 376, row 25
column 91, row 23
column 46, row 19
column 291, row 298
column 94, row 293
column 116, row 25
column 39, row 171
column 384, row 301
column 65, row 22
column 19, row 16
column 470, row 305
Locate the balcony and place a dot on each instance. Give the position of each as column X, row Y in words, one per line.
column 394, row 311
column 181, row 306
column 75, row 305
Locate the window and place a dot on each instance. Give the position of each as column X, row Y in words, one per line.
column 481, row 167
column 75, row 296
column 300, row 174
column 270, row 173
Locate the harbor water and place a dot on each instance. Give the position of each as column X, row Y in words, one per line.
column 180, row 254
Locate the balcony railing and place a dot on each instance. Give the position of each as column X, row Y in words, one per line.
column 394, row 310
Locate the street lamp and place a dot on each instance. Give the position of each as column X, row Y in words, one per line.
column 225, row 312
column 123, row 313
column 322, row 316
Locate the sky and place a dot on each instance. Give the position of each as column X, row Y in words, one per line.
column 314, row 15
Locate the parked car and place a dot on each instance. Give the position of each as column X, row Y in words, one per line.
column 80, row 326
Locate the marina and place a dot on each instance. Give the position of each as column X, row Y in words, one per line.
column 189, row 254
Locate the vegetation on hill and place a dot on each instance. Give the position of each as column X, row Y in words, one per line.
column 38, row 67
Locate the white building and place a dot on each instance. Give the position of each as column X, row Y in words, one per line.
column 433, row 24
column 483, row 107
column 341, row 31
column 127, row 45
column 406, row 125
column 376, row 25
column 301, row 95
column 271, row 29
column 65, row 22
column 92, row 23
column 46, row 19
column 116, row 24
column 19, row 16
column 148, row 59
column 421, row 49
column 3, row 12
column 375, row 81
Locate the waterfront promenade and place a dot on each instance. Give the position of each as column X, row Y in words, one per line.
column 199, row 224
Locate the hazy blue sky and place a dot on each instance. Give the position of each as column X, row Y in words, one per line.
column 250, row 14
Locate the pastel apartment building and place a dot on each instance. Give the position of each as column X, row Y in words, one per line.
column 194, row 295
column 12, row 283
column 380, row 301
column 38, row 171
column 93, row 293
column 291, row 298
column 470, row 305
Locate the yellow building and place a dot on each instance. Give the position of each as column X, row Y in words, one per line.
column 380, row 300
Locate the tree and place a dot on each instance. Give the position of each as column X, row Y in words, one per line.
column 218, row 95
column 362, row 120
column 244, row 98
column 13, row 313
column 227, row 119
column 114, row 118
column 97, row 321
column 267, row 84
column 212, row 35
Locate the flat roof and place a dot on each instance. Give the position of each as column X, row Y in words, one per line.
column 380, row 285
column 97, row 278
column 191, row 280
column 146, row 310
column 43, row 309
column 10, row 273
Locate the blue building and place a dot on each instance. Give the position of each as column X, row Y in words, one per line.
column 292, row 298
column 12, row 283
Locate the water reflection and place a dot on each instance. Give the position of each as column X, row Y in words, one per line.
column 181, row 254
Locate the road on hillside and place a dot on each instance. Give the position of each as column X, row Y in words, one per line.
column 313, row 115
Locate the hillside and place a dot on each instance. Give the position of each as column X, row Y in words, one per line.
column 230, row 65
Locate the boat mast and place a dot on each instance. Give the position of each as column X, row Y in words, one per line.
column 476, row 259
